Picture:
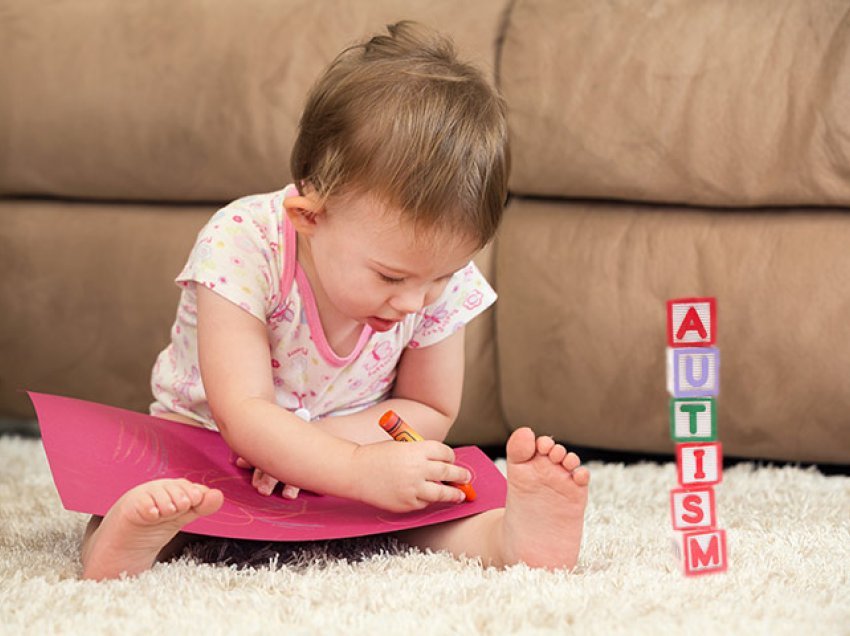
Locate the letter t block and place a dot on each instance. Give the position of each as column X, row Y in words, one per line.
column 693, row 420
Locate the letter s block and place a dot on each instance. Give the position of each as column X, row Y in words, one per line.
column 693, row 508
column 702, row 552
column 699, row 464
column 691, row 322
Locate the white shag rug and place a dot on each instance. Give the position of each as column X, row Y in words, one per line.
column 789, row 572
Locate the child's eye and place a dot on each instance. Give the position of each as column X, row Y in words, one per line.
column 390, row 280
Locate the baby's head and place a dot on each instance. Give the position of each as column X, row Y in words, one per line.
column 400, row 119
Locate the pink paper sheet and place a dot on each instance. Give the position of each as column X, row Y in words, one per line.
column 96, row 453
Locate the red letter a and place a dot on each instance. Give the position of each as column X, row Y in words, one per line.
column 691, row 322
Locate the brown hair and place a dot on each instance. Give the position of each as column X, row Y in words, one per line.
column 399, row 117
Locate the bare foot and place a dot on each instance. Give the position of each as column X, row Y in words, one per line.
column 547, row 495
column 141, row 523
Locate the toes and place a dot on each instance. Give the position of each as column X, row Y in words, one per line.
column 180, row 494
column 147, row 508
column 581, row 476
column 521, row 445
column 557, row 454
column 162, row 499
column 196, row 494
column 571, row 461
column 545, row 444
column 211, row 502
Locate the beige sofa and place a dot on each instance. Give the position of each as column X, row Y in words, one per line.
column 660, row 149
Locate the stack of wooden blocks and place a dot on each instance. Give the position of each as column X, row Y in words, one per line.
column 693, row 381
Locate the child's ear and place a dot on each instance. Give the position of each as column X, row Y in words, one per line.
column 304, row 211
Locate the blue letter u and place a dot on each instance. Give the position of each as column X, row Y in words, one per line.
column 689, row 371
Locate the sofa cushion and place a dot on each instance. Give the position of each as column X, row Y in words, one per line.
column 186, row 101
column 581, row 323
column 88, row 297
column 722, row 103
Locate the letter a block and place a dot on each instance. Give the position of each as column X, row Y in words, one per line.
column 691, row 322
column 699, row 464
column 702, row 552
column 693, row 420
column 693, row 509
column 693, row 372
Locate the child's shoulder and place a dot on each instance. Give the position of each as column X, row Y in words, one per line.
column 258, row 207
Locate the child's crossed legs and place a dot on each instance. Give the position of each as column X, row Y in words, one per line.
column 541, row 524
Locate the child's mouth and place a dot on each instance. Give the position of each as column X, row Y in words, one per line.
column 379, row 324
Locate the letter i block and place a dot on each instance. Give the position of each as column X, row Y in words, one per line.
column 691, row 322
column 702, row 552
column 693, row 372
column 699, row 464
column 693, row 508
column 693, row 420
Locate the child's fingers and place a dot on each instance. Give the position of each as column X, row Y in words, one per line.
column 241, row 463
column 434, row 492
column 263, row 482
column 441, row 471
column 437, row 450
column 290, row 492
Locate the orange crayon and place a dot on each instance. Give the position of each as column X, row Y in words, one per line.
column 401, row 431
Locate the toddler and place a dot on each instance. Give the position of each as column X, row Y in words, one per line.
column 307, row 313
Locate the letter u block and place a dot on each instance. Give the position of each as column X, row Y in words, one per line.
column 693, row 372
column 699, row 464
column 701, row 552
column 691, row 322
column 693, row 508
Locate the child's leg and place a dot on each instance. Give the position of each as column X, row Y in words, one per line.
column 542, row 521
column 143, row 526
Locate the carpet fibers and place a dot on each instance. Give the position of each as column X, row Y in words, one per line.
column 789, row 572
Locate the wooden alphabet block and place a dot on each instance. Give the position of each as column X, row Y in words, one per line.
column 699, row 464
column 702, row 552
column 693, row 420
column 691, row 322
column 693, row 508
column 693, row 372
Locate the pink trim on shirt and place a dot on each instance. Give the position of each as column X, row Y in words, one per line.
column 293, row 271
column 290, row 247
column 318, row 332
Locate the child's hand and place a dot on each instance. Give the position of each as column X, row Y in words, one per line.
column 403, row 477
column 265, row 483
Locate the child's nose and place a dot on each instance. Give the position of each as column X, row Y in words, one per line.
column 409, row 301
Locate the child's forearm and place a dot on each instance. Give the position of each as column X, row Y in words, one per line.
column 362, row 427
column 297, row 452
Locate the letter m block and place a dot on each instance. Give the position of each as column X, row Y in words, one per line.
column 702, row 552
column 692, row 322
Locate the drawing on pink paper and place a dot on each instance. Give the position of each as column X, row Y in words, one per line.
column 97, row 452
